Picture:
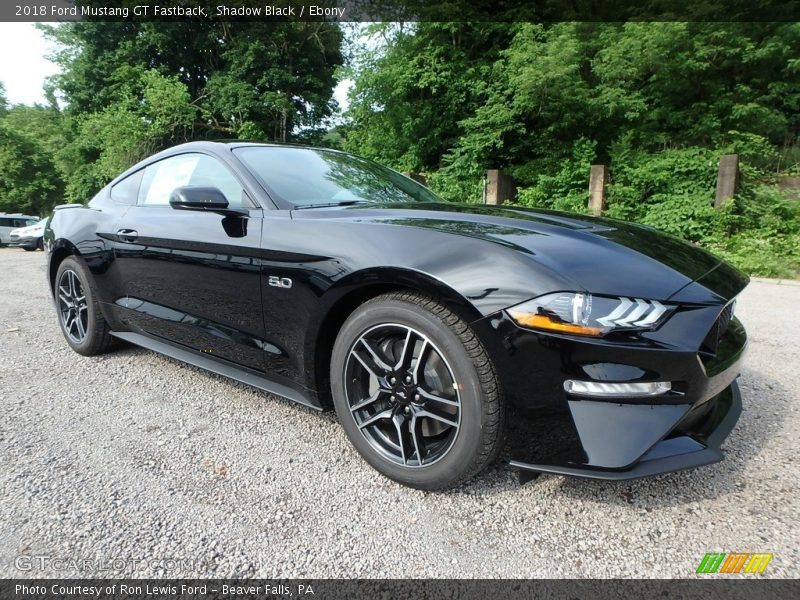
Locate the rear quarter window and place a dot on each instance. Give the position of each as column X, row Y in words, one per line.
column 126, row 191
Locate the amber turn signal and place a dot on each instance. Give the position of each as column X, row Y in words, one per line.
column 540, row 321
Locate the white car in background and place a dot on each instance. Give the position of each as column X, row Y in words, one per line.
column 29, row 238
column 10, row 222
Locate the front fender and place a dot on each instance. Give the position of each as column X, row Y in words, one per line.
column 74, row 232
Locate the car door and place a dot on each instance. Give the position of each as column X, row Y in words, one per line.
column 192, row 277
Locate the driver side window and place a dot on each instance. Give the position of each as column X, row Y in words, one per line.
column 200, row 170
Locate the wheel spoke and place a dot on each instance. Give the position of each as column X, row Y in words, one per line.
column 370, row 360
column 438, row 415
column 384, row 366
column 368, row 401
column 62, row 297
column 420, row 359
column 386, row 414
column 418, row 438
column 436, row 398
column 407, row 353
column 367, row 364
column 79, row 324
column 401, row 424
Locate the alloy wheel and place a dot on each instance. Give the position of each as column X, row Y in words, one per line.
column 72, row 306
column 402, row 395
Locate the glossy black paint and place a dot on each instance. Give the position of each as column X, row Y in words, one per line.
column 201, row 280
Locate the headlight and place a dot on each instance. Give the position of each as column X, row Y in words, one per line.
column 584, row 314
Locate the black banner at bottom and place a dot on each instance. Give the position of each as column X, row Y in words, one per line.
column 390, row 589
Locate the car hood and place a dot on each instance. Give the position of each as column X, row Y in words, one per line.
column 31, row 230
column 602, row 256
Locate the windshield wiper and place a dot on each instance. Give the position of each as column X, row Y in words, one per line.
column 329, row 204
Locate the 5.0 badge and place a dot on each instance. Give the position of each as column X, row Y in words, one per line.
column 281, row 282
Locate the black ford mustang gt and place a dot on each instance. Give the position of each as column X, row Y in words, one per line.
column 596, row 348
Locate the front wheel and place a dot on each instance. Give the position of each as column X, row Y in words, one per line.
column 416, row 392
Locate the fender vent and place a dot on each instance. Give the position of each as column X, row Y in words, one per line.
column 718, row 329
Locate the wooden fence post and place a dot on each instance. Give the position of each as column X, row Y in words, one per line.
column 727, row 178
column 790, row 186
column 499, row 187
column 598, row 178
column 418, row 177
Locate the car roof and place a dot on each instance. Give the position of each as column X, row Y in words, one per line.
column 231, row 144
column 209, row 146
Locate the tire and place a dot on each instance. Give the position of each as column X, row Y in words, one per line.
column 28, row 249
column 40, row 244
column 434, row 418
column 89, row 334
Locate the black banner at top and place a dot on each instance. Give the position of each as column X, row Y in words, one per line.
column 401, row 10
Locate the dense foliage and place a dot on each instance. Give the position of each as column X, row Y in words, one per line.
column 130, row 89
column 658, row 102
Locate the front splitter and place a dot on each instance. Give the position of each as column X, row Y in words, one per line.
column 668, row 455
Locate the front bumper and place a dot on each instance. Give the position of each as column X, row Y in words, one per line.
column 552, row 431
column 670, row 454
column 23, row 242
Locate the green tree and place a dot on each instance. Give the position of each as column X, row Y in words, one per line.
column 130, row 89
column 28, row 179
column 521, row 96
column 413, row 86
column 252, row 79
column 658, row 102
column 151, row 112
column 3, row 100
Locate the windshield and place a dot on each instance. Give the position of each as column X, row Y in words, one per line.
column 309, row 177
column 29, row 222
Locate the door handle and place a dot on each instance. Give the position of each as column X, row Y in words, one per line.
column 127, row 235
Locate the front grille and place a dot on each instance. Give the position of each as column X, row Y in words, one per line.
column 718, row 329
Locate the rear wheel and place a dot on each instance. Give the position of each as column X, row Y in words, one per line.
column 82, row 323
column 416, row 392
column 27, row 249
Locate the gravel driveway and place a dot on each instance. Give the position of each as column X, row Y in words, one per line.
column 178, row 472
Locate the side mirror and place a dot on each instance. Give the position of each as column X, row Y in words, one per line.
column 206, row 199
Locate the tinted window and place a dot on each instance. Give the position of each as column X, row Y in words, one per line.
column 199, row 170
column 305, row 176
column 17, row 222
column 127, row 190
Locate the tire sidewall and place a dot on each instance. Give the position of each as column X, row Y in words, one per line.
column 468, row 443
column 72, row 264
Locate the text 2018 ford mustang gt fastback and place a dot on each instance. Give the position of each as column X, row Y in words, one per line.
column 441, row 333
